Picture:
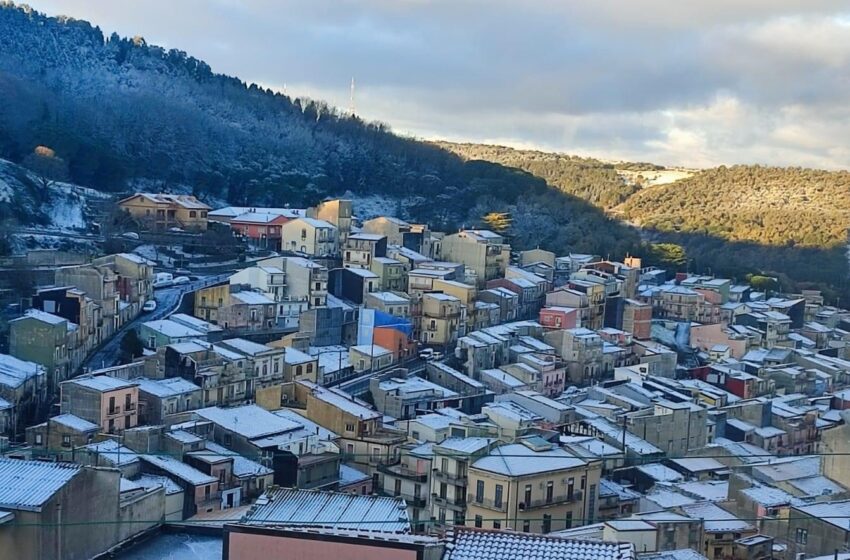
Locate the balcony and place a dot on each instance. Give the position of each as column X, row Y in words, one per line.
column 487, row 503
column 113, row 411
column 556, row 500
column 457, row 480
column 457, row 503
column 402, row 472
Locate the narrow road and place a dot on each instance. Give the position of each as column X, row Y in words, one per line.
column 167, row 302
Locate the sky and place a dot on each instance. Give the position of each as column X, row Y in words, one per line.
column 691, row 83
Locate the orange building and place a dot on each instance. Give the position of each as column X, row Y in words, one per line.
column 395, row 341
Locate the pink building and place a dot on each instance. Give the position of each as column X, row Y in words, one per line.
column 558, row 317
column 111, row 403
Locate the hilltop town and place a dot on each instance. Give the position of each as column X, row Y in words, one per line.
column 305, row 376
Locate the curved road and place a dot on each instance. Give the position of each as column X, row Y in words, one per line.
column 167, row 302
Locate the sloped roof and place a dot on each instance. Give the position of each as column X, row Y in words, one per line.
column 332, row 510
column 469, row 544
column 27, row 485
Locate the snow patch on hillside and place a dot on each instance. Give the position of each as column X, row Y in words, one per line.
column 654, row 178
column 371, row 206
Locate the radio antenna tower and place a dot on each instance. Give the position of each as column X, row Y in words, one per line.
column 351, row 107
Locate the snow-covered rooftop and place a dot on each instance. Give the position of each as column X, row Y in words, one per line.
column 310, row 508
column 516, row 459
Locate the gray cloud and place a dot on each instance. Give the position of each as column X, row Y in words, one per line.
column 682, row 83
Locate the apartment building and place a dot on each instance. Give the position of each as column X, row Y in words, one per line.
column 441, row 319
column 47, row 340
column 337, row 212
column 165, row 211
column 361, row 250
column 482, row 252
column 309, row 236
column 532, row 486
column 450, row 477
column 109, row 402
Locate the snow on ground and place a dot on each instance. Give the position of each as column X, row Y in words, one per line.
column 652, row 178
column 371, row 206
column 66, row 210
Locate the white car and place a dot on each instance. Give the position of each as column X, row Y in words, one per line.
column 149, row 306
column 181, row 280
column 130, row 235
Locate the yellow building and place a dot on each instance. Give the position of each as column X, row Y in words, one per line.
column 466, row 293
column 165, row 211
column 532, row 486
column 440, row 320
column 482, row 252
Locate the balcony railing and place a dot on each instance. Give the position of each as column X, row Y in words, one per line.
column 457, row 480
column 399, row 471
column 574, row 497
column 113, row 411
column 487, row 503
column 441, row 501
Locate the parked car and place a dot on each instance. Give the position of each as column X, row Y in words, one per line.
column 181, row 280
column 426, row 354
column 130, row 235
column 175, row 230
column 149, row 306
column 182, row 272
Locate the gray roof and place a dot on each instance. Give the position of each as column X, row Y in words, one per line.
column 75, row 422
column 331, row 510
column 13, row 372
column 516, row 459
column 249, row 421
column 113, row 453
column 27, row 485
column 165, row 388
column 179, row 469
column 496, row 545
column 152, row 480
column 350, row 475
column 102, row 383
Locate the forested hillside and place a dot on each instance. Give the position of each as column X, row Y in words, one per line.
column 125, row 115
column 590, row 179
column 767, row 205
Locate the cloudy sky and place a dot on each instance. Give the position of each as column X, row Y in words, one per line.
column 677, row 82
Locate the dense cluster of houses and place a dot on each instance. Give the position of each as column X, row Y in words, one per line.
column 379, row 388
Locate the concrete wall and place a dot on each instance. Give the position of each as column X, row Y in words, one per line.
column 140, row 513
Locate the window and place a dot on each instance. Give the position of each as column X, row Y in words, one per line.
column 497, row 500
column 478, row 521
column 309, row 368
column 718, row 551
column 227, row 439
column 569, row 522
column 349, row 427
column 443, row 490
column 193, row 214
column 39, row 439
column 261, row 484
column 207, row 492
column 526, row 526
column 349, row 449
column 547, row 523
column 550, row 490
column 442, row 516
column 298, row 371
column 111, row 405
column 497, row 524
column 527, row 495
column 397, row 487
column 479, row 491
column 445, row 465
column 802, row 536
